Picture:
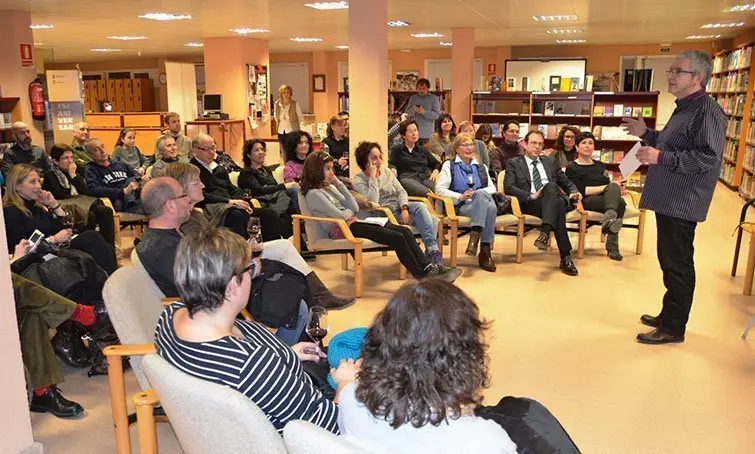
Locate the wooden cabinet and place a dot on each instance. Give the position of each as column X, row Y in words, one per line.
column 120, row 96
column 125, row 95
column 128, row 96
column 144, row 95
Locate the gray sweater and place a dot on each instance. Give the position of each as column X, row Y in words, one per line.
column 332, row 201
column 426, row 120
column 384, row 190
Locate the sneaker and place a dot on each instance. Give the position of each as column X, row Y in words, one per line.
column 446, row 273
column 435, row 257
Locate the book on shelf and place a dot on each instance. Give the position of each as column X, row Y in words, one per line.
column 627, row 111
column 588, row 82
column 647, row 111
column 496, row 129
column 565, row 84
column 608, row 111
column 635, row 180
column 575, row 84
column 551, row 132
column 555, row 83
column 496, row 84
column 618, row 156
column 618, row 110
column 606, row 156
column 524, row 128
column 490, row 107
column 550, row 108
column 596, row 155
column 525, row 84
column 636, row 111
column 598, row 111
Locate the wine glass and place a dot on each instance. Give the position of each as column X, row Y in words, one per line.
column 68, row 223
column 317, row 324
column 254, row 230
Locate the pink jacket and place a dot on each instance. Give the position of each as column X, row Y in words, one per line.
column 292, row 171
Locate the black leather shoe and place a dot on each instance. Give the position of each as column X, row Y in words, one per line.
column 70, row 349
column 567, row 266
column 658, row 337
column 54, row 402
column 485, row 259
column 651, row 321
column 542, row 241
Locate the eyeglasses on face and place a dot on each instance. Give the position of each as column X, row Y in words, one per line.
column 178, row 198
column 466, row 144
column 209, row 148
column 676, row 71
column 536, row 144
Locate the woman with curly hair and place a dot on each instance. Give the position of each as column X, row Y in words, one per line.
column 424, row 365
column 565, row 150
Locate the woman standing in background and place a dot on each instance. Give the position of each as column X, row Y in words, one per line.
column 288, row 115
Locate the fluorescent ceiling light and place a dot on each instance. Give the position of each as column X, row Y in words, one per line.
column 703, row 37
column 406, row 50
column 306, row 40
column 740, row 8
column 193, row 44
column 342, row 47
column 39, row 44
column 571, row 41
column 398, row 23
column 127, row 38
column 328, row 5
column 105, row 50
column 164, row 16
column 40, row 26
column 564, row 31
column 723, row 25
column 446, row 44
column 427, row 35
column 554, row 18
column 244, row 31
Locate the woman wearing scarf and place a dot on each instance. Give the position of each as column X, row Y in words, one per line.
column 71, row 189
column 465, row 181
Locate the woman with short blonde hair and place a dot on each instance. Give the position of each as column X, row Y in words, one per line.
column 481, row 149
column 288, row 114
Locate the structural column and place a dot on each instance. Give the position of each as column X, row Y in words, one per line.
column 368, row 74
column 462, row 73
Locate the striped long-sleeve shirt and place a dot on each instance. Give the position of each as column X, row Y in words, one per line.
column 681, row 185
column 259, row 366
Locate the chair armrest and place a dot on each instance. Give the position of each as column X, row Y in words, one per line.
column 389, row 214
column 340, row 222
column 427, row 203
column 116, row 215
column 167, row 301
column 580, row 207
column 448, row 205
column 148, row 397
column 129, row 350
column 515, row 207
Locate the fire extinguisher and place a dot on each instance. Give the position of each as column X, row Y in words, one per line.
column 37, row 99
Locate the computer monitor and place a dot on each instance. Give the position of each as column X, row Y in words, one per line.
column 213, row 103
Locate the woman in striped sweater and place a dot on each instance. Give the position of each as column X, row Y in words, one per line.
column 203, row 336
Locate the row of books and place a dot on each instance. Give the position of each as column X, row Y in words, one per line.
column 751, row 132
column 501, row 107
column 551, row 131
column 747, row 188
column 730, row 149
column 612, row 133
column 6, row 119
column 620, row 110
column 727, row 173
column 608, row 155
column 737, row 59
column 748, row 161
column 733, row 105
column 730, row 82
column 734, row 127
column 549, row 108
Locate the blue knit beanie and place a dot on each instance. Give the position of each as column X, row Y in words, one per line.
column 345, row 345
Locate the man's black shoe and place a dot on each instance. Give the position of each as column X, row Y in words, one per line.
column 54, row 402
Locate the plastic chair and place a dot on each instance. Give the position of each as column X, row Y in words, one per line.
column 303, row 437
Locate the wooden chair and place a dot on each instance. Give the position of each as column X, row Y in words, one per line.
column 748, row 227
column 123, row 219
column 593, row 218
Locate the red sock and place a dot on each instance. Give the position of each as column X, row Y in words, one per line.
column 41, row 391
column 84, row 315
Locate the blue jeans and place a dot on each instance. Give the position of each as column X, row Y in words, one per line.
column 293, row 206
column 290, row 336
column 425, row 222
column 483, row 211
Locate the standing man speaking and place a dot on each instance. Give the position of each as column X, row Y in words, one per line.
column 684, row 159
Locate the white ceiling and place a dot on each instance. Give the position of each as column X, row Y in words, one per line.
column 84, row 24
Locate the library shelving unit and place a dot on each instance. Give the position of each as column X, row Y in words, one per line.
column 397, row 100
column 599, row 112
column 732, row 87
column 7, row 105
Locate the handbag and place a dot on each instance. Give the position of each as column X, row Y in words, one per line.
column 502, row 203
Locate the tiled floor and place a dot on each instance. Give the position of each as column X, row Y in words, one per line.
column 568, row 342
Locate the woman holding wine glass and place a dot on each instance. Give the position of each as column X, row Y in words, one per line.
column 465, row 181
column 27, row 207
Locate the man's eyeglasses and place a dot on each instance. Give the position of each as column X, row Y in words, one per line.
column 178, row 198
column 536, row 144
column 210, row 148
column 466, row 144
column 676, row 71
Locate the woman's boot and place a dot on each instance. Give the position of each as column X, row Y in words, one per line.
column 612, row 246
column 474, row 241
column 485, row 258
column 321, row 296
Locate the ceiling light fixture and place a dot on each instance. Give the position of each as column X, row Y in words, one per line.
column 406, row 50
column 105, row 50
column 740, row 8
column 193, row 44
column 306, row 40
column 39, row 44
column 723, row 25
column 342, row 47
column 554, row 18
column 446, row 44
column 127, row 38
column 244, row 31
column 398, row 23
column 703, row 37
column 571, row 41
column 164, row 16
column 41, row 26
column 427, row 35
column 563, row 31
column 328, row 5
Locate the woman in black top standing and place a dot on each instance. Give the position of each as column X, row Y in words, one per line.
column 64, row 184
column 599, row 193
column 338, row 144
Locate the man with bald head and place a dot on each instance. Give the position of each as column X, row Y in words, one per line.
column 23, row 151
column 80, row 136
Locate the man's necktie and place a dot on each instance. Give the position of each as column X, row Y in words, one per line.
column 536, row 178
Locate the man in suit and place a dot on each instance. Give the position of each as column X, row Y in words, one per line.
column 537, row 182
column 222, row 196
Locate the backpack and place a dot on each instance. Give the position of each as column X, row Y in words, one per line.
column 276, row 294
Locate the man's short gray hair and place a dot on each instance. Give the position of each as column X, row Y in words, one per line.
column 91, row 145
column 700, row 62
column 197, row 140
column 155, row 193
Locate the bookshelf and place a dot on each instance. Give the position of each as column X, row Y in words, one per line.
column 7, row 106
column 732, row 87
column 587, row 111
column 397, row 100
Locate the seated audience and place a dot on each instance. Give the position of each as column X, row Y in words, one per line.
column 162, row 253
column 23, row 151
column 598, row 192
column 485, row 134
column 112, row 179
column 172, row 122
column 166, row 152
column 465, row 181
column 28, row 208
column 565, row 150
column 258, row 180
column 481, row 148
column 65, row 184
column 440, row 140
column 397, row 406
column 380, row 186
column 416, row 168
column 298, row 146
column 204, row 337
column 337, row 144
column 508, row 149
column 80, row 155
column 224, row 201
column 328, row 197
column 537, row 181
column 127, row 152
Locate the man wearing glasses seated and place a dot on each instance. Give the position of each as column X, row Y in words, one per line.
column 112, row 179
column 537, row 181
